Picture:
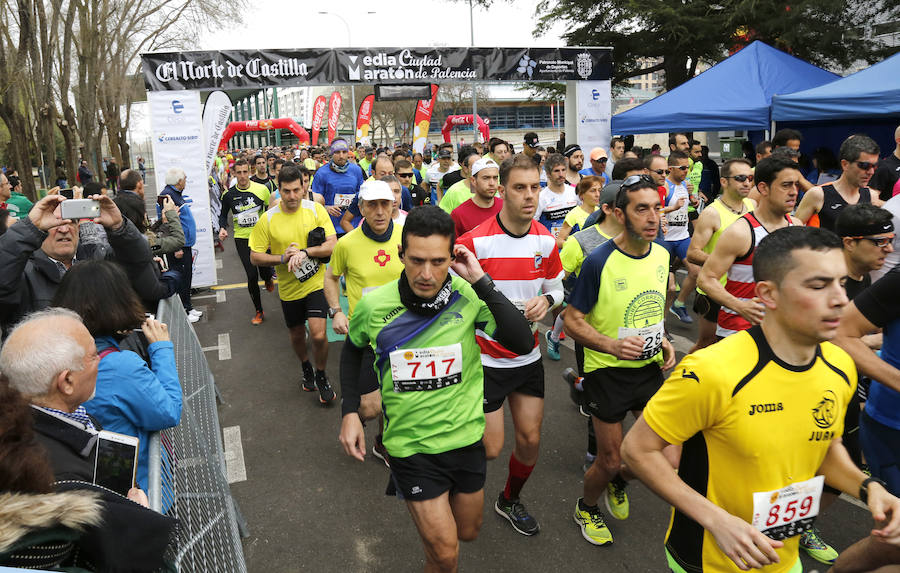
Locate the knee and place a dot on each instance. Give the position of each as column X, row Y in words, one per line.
column 492, row 450
column 444, row 556
column 470, row 531
column 319, row 336
column 528, row 441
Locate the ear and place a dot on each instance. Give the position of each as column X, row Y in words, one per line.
column 620, row 215
column 768, row 294
column 64, row 383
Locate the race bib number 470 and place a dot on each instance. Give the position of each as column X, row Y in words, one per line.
column 788, row 511
column 421, row 369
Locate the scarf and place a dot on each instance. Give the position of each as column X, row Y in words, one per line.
column 382, row 238
column 418, row 305
column 340, row 168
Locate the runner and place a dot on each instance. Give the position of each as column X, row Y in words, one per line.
column 588, row 192
column 484, row 203
column 290, row 232
column 574, row 162
column 261, row 174
column 338, row 182
column 777, row 181
column 522, row 255
column 558, row 198
column 617, row 311
column 367, row 257
column 438, row 169
column 737, row 181
column 247, row 200
column 779, row 403
column 421, row 328
column 677, row 237
column 461, row 191
column 597, row 168
column 498, row 150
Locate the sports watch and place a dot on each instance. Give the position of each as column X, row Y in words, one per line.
column 333, row 311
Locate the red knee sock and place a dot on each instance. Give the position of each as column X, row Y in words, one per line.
column 518, row 475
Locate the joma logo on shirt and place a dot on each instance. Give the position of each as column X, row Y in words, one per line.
column 766, row 408
column 391, row 314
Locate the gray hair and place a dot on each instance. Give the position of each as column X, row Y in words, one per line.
column 174, row 175
column 31, row 365
column 857, row 144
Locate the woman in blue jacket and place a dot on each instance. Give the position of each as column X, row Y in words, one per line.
column 132, row 397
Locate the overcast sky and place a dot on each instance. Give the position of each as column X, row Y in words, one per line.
column 395, row 23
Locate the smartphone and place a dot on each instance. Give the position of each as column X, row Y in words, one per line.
column 79, row 209
column 115, row 464
column 161, row 199
column 67, row 193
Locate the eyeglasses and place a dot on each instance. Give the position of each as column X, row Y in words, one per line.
column 404, row 175
column 880, row 242
column 634, row 180
column 601, row 160
column 741, row 178
column 865, row 165
column 682, row 167
column 660, row 171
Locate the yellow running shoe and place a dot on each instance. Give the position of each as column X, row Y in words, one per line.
column 592, row 523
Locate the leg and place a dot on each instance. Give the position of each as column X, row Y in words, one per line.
column 867, row 555
column 528, row 415
column 319, row 341
column 437, row 527
column 298, row 341
column 608, row 461
column 493, row 433
column 187, row 276
column 467, row 511
column 690, row 283
column 706, row 335
column 242, row 246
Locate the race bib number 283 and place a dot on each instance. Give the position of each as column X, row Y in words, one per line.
column 422, row 369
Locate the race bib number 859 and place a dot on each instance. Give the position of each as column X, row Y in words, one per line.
column 421, row 369
column 788, row 511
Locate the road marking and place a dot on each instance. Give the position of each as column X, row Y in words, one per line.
column 224, row 347
column 218, row 263
column 239, row 285
column 235, row 469
column 218, row 295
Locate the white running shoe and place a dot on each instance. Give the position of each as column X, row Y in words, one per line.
column 195, row 312
column 193, row 318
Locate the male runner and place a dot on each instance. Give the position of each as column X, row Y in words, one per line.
column 367, row 257
column 421, row 328
column 557, row 198
column 522, row 255
column 777, row 181
column 286, row 230
column 574, row 162
column 859, row 157
column 598, row 165
column 461, row 191
column 677, row 237
column 779, row 403
column 338, row 182
column 247, row 200
column 261, row 174
column 498, row 150
column 438, row 169
column 737, row 181
column 484, row 203
column 617, row 312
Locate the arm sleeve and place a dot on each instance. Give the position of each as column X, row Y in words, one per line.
column 226, row 207
column 16, row 246
column 154, row 402
column 351, row 363
column 879, row 303
column 510, row 327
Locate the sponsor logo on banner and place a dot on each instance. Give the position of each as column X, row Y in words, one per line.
column 177, row 106
column 215, row 119
column 584, row 65
column 422, row 120
column 334, row 111
column 364, row 119
column 254, row 68
column 318, row 115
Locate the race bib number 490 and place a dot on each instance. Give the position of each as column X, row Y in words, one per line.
column 788, row 511
column 247, row 218
column 421, row 369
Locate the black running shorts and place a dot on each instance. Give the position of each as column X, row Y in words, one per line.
column 501, row 382
column 706, row 307
column 610, row 393
column 426, row 476
column 297, row 311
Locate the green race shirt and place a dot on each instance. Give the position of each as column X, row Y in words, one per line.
column 429, row 368
column 456, row 195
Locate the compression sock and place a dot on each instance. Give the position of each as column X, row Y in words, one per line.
column 678, row 303
column 518, row 475
column 307, row 369
column 557, row 328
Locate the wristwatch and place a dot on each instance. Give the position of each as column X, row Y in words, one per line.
column 864, row 488
column 550, row 299
column 333, row 311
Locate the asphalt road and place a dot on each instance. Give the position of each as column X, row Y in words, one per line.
column 309, row 507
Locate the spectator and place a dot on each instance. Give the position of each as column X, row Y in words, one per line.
column 142, row 168
column 85, row 175
column 4, row 221
column 176, row 180
column 17, row 203
column 130, row 198
column 112, row 174
column 131, row 397
column 826, row 167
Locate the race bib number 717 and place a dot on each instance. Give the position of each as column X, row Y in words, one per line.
column 422, row 369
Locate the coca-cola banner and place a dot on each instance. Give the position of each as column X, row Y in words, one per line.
column 364, row 120
column 422, row 120
column 334, row 112
column 209, row 70
column 318, row 115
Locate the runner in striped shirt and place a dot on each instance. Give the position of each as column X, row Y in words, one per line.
column 520, row 255
column 777, row 181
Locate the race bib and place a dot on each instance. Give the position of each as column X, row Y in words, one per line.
column 652, row 335
column 788, row 511
column 247, row 218
column 555, row 228
column 520, row 304
column 308, row 268
column 343, row 200
column 422, row 369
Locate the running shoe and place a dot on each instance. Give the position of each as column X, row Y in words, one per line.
column 592, row 524
column 816, row 548
column 195, row 312
column 379, row 451
column 682, row 314
column 309, row 380
column 193, row 318
column 258, row 319
column 270, row 284
column 552, row 347
column 516, row 514
column 616, row 499
column 573, row 379
column 326, row 394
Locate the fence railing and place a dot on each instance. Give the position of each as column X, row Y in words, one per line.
column 187, row 464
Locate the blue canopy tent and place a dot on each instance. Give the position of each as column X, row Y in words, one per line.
column 735, row 94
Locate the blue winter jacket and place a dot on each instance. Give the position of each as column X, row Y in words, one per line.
column 134, row 399
column 188, row 225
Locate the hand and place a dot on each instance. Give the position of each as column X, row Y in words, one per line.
column 53, row 190
column 885, row 510
column 466, row 265
column 353, row 437
column 43, row 214
column 137, row 495
column 663, row 225
column 629, row 348
column 333, row 210
column 752, row 310
column 536, row 308
column 743, row 544
column 223, row 234
column 110, row 216
column 178, row 254
column 296, row 260
column 679, row 204
column 155, row 331
column 340, row 324
column 292, row 250
column 668, row 354
column 694, row 200
column 168, row 204
column 689, row 186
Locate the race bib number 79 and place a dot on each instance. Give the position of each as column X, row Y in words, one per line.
column 422, row 369
column 788, row 511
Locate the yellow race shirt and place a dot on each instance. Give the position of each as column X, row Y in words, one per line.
column 576, row 218
column 575, row 249
column 366, row 263
column 276, row 230
column 749, row 423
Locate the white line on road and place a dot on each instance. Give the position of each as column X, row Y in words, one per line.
column 235, row 469
column 218, row 263
column 220, row 296
column 224, row 347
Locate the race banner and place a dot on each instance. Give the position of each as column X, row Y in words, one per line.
column 593, row 113
column 422, row 120
column 216, row 113
column 364, row 120
column 318, row 115
column 334, row 113
column 177, row 125
column 211, row 70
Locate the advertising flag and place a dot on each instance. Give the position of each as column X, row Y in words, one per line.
column 364, row 120
column 216, row 114
column 318, row 115
column 422, row 120
column 334, row 112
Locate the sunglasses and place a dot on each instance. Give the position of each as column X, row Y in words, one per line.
column 661, row 171
column 682, row 167
column 404, row 174
column 865, row 165
column 880, row 242
column 601, row 160
column 634, row 180
column 741, row 178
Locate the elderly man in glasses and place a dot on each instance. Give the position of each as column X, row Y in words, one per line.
column 821, row 205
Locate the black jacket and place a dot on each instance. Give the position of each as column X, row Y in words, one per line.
column 69, row 447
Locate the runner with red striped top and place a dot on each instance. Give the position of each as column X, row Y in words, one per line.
column 777, row 181
column 520, row 255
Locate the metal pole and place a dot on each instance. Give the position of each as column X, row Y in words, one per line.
column 352, row 86
column 474, row 95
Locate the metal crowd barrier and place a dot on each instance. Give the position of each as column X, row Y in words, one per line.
column 187, row 464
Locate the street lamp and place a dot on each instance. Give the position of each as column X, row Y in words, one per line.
column 349, row 45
